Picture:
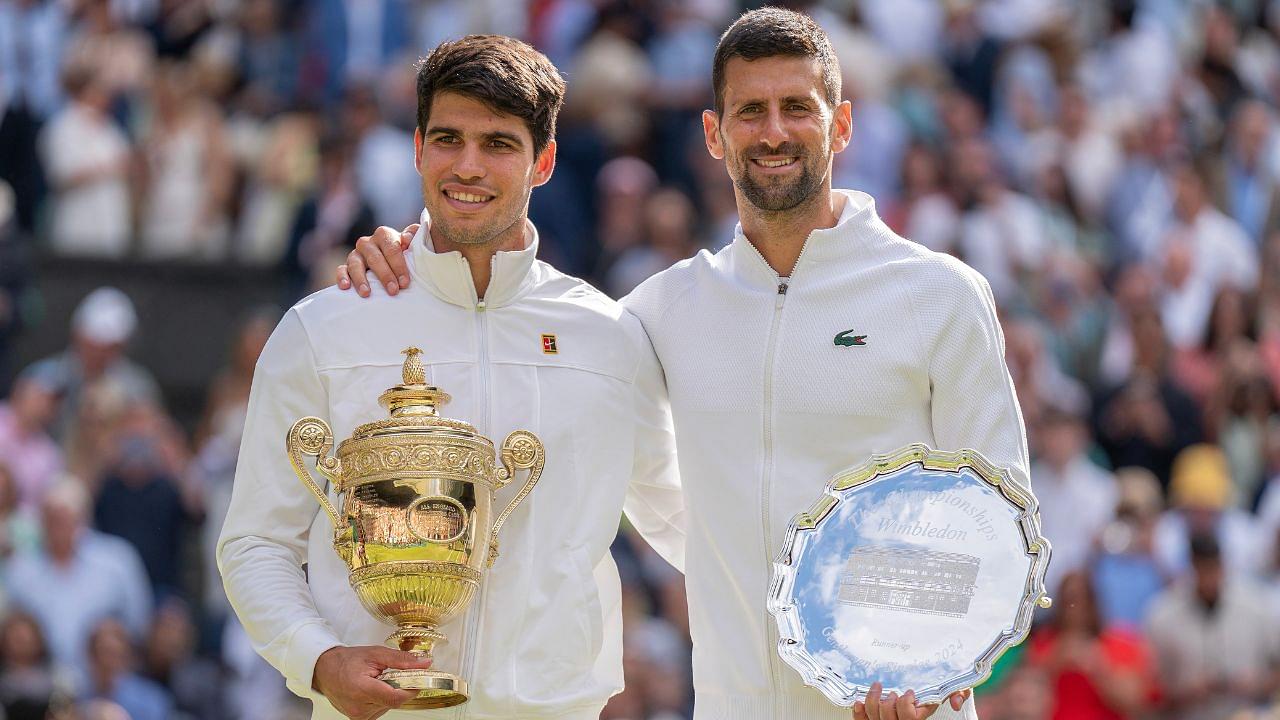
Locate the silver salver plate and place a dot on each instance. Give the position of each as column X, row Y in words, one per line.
column 916, row 569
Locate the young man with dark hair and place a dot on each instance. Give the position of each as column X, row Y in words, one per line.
column 543, row 638
column 815, row 339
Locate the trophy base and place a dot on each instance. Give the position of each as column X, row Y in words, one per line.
column 435, row 689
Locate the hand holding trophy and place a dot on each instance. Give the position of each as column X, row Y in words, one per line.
column 416, row 527
column 911, row 573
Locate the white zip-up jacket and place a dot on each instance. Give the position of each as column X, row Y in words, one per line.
column 768, row 406
column 543, row 636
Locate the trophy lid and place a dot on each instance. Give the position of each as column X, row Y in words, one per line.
column 413, row 405
column 413, row 396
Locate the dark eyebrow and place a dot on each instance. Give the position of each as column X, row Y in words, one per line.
column 513, row 139
column 487, row 137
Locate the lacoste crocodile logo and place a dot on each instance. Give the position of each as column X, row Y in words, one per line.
column 844, row 339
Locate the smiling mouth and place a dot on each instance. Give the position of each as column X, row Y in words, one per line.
column 467, row 198
column 782, row 162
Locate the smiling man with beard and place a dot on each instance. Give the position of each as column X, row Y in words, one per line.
column 817, row 338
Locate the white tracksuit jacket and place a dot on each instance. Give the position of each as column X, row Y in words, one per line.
column 768, row 407
column 543, row 637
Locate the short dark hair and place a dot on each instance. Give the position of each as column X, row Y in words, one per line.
column 506, row 74
column 770, row 32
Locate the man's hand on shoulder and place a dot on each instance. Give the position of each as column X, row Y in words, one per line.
column 348, row 678
column 382, row 254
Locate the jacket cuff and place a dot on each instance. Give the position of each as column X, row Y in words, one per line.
column 306, row 645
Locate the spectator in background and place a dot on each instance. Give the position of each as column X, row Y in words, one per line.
column 669, row 223
column 123, row 54
column 189, row 172
column 31, row 686
column 169, row 660
column 1239, row 415
column 1243, row 178
column 1000, row 230
column 924, row 213
column 351, row 41
column 80, row 578
column 19, row 532
column 33, row 34
column 329, row 221
column 139, row 501
column 87, row 159
column 1216, row 642
column 15, row 278
column 1096, row 672
column 1126, row 573
column 112, row 675
column 385, row 176
column 1200, row 498
column 623, row 187
column 25, row 445
column 1204, row 251
column 101, row 326
column 1077, row 498
column 281, row 166
column 1197, row 369
column 1146, row 420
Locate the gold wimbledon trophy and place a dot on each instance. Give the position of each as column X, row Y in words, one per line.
column 417, row 526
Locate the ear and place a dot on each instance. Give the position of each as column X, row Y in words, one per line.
column 417, row 149
column 842, row 126
column 711, row 129
column 544, row 164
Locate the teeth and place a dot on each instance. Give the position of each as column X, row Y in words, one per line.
column 775, row 163
column 466, row 197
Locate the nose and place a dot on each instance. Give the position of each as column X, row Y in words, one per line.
column 774, row 132
column 468, row 164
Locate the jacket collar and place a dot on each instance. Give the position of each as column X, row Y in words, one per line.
column 846, row 238
column 448, row 276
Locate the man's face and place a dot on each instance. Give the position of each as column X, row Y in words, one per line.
column 478, row 169
column 777, row 134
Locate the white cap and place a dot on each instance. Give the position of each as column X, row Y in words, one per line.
column 105, row 316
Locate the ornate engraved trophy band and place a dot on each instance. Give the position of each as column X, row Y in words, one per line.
column 416, row 523
column 917, row 569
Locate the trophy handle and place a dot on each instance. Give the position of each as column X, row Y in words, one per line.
column 312, row 436
column 522, row 450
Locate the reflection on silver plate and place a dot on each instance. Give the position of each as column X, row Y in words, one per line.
column 917, row 569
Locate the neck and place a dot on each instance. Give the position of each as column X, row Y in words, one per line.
column 479, row 256
column 780, row 236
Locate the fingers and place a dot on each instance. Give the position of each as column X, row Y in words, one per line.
column 344, row 278
column 373, row 251
column 377, row 692
column 860, row 711
column 385, row 657
column 958, row 698
column 406, row 236
column 905, row 707
column 873, row 701
column 393, row 249
column 356, row 270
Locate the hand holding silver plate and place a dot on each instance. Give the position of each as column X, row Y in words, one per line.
column 917, row 570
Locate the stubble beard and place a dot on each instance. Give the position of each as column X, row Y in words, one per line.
column 485, row 234
column 777, row 195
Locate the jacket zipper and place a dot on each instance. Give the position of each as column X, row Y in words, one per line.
column 469, row 654
column 766, row 484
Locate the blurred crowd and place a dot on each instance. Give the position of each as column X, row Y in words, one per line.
column 1110, row 166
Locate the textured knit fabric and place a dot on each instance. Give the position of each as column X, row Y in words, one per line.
column 543, row 637
column 768, row 407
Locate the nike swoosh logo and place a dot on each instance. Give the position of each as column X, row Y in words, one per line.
column 844, row 339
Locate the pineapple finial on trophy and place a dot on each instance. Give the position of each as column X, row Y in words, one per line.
column 413, row 372
column 413, row 396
